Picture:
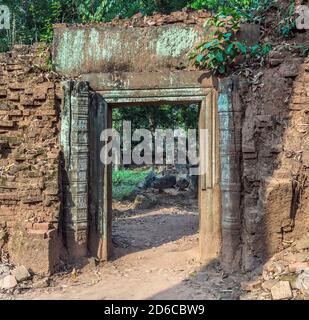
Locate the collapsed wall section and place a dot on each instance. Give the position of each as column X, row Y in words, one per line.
column 30, row 197
column 275, row 152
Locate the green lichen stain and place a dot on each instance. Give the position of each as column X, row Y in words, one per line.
column 175, row 41
column 71, row 48
column 94, row 40
column 81, row 50
column 105, row 49
column 112, row 46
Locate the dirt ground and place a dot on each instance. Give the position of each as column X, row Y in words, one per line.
column 155, row 257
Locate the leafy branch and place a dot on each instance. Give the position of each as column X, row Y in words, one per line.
column 223, row 50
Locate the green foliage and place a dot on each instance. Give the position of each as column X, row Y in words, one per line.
column 248, row 9
column 129, row 176
column 218, row 5
column 156, row 117
column 287, row 24
column 153, row 117
column 260, row 51
column 252, row 11
column 223, row 49
column 47, row 32
column 303, row 50
column 126, row 180
column 33, row 19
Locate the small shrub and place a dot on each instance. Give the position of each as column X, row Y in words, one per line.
column 287, row 24
column 223, row 49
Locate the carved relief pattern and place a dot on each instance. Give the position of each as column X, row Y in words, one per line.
column 230, row 124
column 76, row 149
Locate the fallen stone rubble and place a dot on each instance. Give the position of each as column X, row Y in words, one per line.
column 16, row 279
column 285, row 276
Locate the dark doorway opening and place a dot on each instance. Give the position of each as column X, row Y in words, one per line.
column 155, row 204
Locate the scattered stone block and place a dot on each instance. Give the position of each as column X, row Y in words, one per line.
column 92, row 262
column 143, row 202
column 268, row 284
column 298, row 267
column 9, row 282
column 251, row 285
column 290, row 68
column 281, row 291
column 165, row 182
column 21, row 273
column 302, row 282
column 275, row 62
column 4, row 271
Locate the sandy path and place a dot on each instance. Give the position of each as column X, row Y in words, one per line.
column 156, row 257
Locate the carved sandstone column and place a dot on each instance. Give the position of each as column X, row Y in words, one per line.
column 230, row 116
column 74, row 140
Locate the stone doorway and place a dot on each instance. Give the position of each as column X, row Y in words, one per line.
column 87, row 111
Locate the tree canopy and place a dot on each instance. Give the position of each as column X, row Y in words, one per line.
column 32, row 19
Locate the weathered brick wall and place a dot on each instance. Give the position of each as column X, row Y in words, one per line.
column 275, row 147
column 271, row 136
column 29, row 159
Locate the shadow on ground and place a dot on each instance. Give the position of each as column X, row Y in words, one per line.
column 210, row 283
column 146, row 231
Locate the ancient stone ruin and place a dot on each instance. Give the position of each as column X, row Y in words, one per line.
column 55, row 194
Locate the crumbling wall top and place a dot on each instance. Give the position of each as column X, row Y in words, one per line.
column 186, row 16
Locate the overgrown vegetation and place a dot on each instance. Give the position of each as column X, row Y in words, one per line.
column 223, row 48
column 126, row 180
column 287, row 24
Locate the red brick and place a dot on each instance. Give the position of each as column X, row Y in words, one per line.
column 16, row 86
column 44, row 226
column 27, row 100
column 46, row 112
column 300, row 100
column 3, row 93
column 6, row 124
column 13, row 96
